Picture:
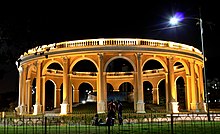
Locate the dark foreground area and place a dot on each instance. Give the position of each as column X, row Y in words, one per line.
column 132, row 124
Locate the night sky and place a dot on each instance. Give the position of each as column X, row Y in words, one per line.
column 30, row 25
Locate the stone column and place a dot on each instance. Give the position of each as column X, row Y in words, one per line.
column 75, row 95
column 20, row 86
column 29, row 95
column 140, row 102
column 23, row 107
column 43, row 93
column 101, row 104
column 167, row 92
column 104, row 85
column 194, row 102
column 38, row 106
column 135, row 92
column 70, row 94
column 65, row 104
column 155, row 96
column 202, row 104
column 172, row 89
column 188, row 92
column 57, row 98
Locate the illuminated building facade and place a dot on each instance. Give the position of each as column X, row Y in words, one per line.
column 38, row 66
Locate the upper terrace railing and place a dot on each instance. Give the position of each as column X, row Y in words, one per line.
column 154, row 71
column 111, row 42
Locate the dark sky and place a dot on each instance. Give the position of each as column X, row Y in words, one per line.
column 24, row 27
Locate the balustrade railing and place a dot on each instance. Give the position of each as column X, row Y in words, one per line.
column 112, row 42
column 54, row 71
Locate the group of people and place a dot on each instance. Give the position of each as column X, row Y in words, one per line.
column 113, row 108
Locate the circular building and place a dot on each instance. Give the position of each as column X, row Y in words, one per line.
column 140, row 71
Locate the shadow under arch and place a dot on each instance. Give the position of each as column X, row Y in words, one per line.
column 51, row 62
column 82, row 59
column 183, row 63
column 84, row 90
column 50, row 88
column 162, row 92
column 126, row 91
column 148, row 96
column 33, row 95
column 181, row 93
column 119, row 57
column 110, row 92
column 163, row 64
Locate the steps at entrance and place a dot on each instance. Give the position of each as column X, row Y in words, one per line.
column 155, row 108
column 91, row 107
column 54, row 111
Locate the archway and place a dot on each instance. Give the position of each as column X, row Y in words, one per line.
column 152, row 65
column 49, row 95
column 110, row 92
column 162, row 93
column 148, row 96
column 84, row 90
column 119, row 64
column 181, row 96
column 126, row 92
column 84, row 66
column 33, row 94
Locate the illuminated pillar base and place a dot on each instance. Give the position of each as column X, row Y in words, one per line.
column 203, row 107
column 140, row 107
column 101, row 107
column 64, row 109
column 37, row 109
column 194, row 107
column 21, row 109
column 174, row 107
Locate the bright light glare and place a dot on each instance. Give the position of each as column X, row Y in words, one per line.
column 176, row 18
column 174, row 21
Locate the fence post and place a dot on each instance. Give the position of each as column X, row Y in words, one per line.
column 23, row 123
column 4, row 124
column 172, row 123
column 45, row 125
column 108, row 129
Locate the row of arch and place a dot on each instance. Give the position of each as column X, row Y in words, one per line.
column 59, row 64
column 103, row 70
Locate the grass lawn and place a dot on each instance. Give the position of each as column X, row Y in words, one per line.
column 148, row 128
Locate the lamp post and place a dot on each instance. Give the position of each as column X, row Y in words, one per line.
column 174, row 21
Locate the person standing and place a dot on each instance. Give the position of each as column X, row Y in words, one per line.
column 111, row 113
column 120, row 108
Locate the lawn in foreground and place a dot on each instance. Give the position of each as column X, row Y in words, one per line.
column 159, row 128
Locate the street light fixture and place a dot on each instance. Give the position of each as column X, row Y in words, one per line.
column 174, row 21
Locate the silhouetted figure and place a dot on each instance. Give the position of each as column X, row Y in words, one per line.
column 111, row 113
column 120, row 108
column 95, row 120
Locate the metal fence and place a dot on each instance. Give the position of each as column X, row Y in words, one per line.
column 132, row 124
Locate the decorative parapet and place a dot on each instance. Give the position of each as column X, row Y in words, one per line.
column 110, row 42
